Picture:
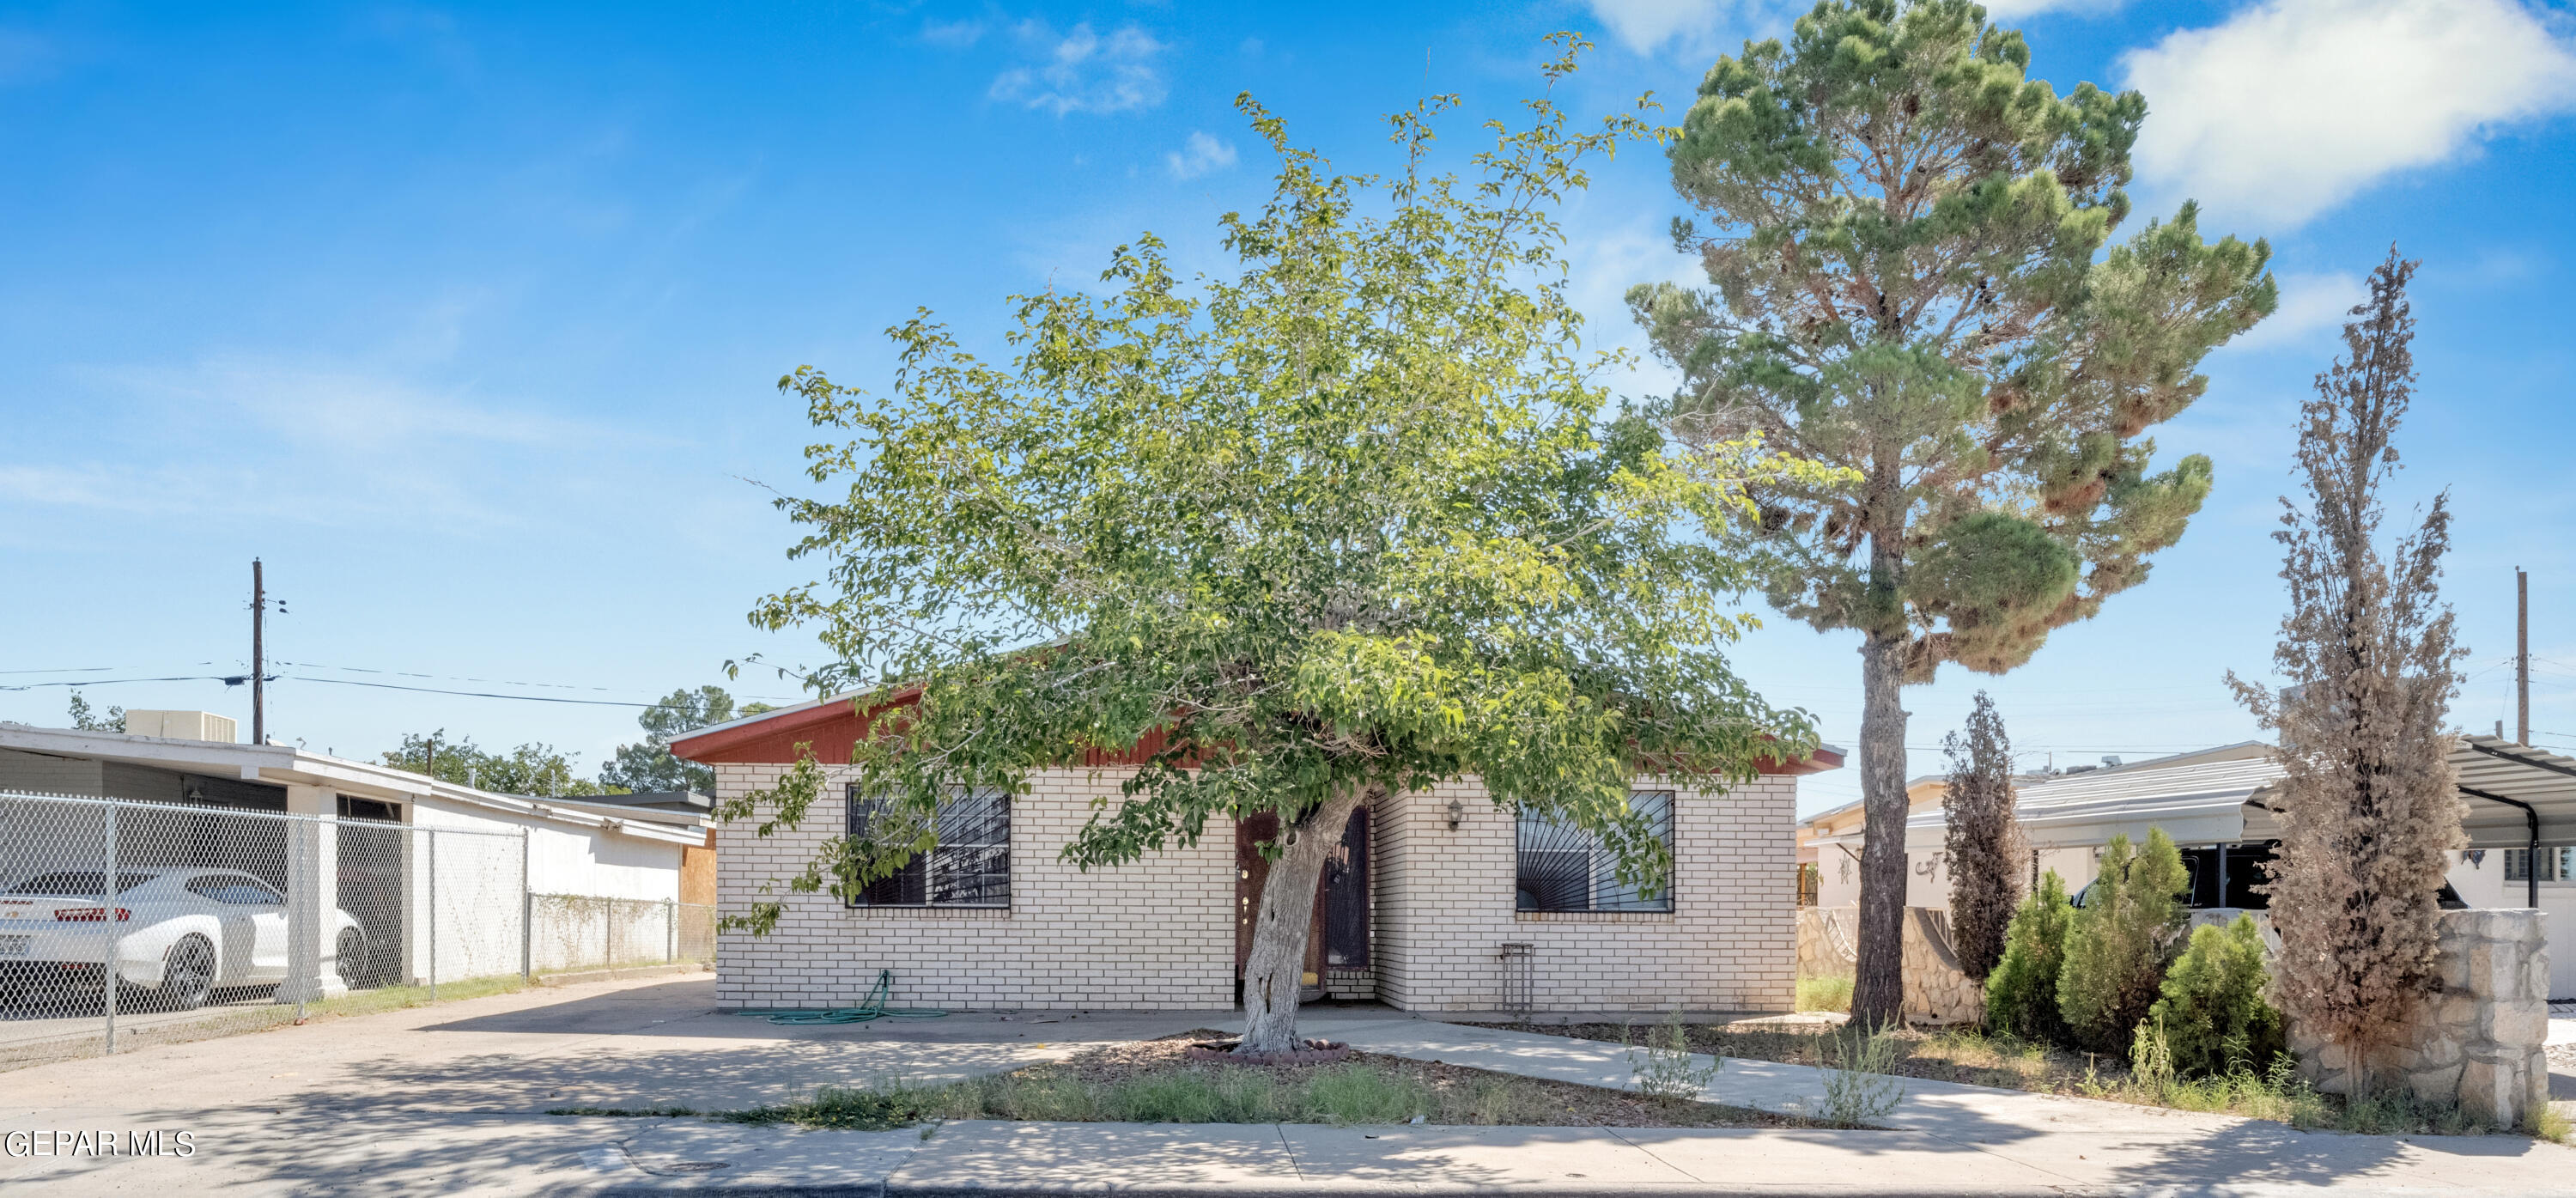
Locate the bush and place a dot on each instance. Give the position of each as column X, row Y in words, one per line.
column 2212, row 1010
column 2120, row 941
column 2021, row 993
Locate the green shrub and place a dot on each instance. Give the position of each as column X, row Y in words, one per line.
column 2212, row 1010
column 2021, row 993
column 2120, row 941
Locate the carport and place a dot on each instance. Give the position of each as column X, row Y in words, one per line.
column 2519, row 798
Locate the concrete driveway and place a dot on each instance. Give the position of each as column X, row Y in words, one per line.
column 450, row 1098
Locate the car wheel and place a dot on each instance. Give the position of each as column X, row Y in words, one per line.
column 187, row 975
column 350, row 961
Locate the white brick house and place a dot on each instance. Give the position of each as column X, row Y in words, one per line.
column 1425, row 908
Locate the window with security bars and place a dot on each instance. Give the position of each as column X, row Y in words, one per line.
column 969, row 865
column 2556, row 865
column 1564, row 868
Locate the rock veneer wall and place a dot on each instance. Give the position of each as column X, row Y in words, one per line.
column 1936, row 992
column 1825, row 937
column 2479, row 1041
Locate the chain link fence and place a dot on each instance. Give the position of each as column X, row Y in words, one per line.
column 126, row 923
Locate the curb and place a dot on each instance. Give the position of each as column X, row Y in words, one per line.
column 619, row 975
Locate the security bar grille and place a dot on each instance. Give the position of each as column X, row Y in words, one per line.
column 1564, row 868
column 968, row 866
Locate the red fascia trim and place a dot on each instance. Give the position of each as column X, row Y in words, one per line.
column 832, row 730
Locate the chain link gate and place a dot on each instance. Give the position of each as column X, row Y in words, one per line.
column 125, row 923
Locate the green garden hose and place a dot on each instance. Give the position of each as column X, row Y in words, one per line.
column 872, row 1008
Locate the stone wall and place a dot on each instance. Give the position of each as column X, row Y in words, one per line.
column 1825, row 939
column 1936, row 992
column 2478, row 1042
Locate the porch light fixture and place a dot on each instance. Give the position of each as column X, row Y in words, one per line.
column 1457, row 811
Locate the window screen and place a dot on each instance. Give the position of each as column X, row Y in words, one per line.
column 969, row 866
column 1564, row 868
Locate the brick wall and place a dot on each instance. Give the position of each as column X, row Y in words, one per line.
column 1158, row 934
column 1445, row 906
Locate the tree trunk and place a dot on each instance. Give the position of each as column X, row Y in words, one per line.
column 1276, row 966
column 1878, row 984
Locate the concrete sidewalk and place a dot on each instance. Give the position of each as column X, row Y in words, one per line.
column 449, row 1100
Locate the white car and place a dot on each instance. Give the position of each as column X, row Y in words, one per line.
column 184, row 933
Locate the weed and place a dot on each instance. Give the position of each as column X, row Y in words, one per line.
column 1664, row 1067
column 611, row 1112
column 1348, row 1094
column 1859, row 1087
column 1829, row 993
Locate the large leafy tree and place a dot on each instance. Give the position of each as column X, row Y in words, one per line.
column 1347, row 521
column 2369, row 801
column 1905, row 239
column 650, row 766
column 534, row 768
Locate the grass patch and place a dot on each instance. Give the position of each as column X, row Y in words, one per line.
column 1154, row 1081
column 1971, row 1056
column 396, row 998
column 1831, row 992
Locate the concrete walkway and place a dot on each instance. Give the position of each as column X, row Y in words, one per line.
column 449, row 1100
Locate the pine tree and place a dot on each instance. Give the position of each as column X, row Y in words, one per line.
column 1910, row 285
column 1984, row 841
column 2211, row 1010
column 2121, row 940
column 2021, row 993
column 2368, row 803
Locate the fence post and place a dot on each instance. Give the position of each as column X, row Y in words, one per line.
column 527, row 917
column 107, row 902
column 433, row 915
column 671, row 929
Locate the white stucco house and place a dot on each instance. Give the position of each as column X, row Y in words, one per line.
column 1417, row 909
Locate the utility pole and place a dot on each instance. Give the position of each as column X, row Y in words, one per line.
column 2521, row 656
column 258, row 662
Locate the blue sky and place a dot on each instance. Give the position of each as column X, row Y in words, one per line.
column 467, row 320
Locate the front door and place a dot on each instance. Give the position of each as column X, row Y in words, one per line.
column 1339, row 936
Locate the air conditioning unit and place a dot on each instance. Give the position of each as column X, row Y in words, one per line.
column 182, row 725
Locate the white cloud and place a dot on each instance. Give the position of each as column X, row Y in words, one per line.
column 1201, row 155
column 956, row 34
column 1646, row 24
column 2310, row 304
column 1083, row 71
column 2008, row 10
column 2291, row 106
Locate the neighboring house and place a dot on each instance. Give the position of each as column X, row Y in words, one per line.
column 2521, row 825
column 684, row 808
column 1424, row 894
column 1830, row 841
column 371, row 863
